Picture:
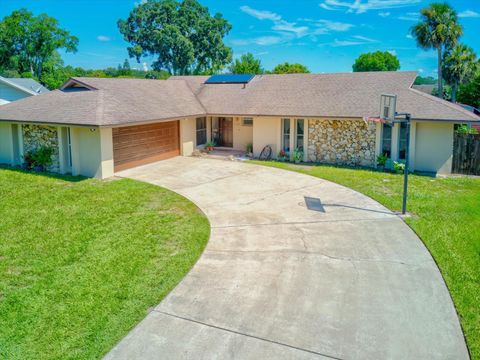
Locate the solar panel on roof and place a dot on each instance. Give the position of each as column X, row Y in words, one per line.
column 229, row 79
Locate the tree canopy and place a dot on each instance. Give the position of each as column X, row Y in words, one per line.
column 27, row 42
column 182, row 35
column 376, row 61
column 287, row 68
column 438, row 29
column 425, row 80
column 459, row 65
column 247, row 64
column 469, row 93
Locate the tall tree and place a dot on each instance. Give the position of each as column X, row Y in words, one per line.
column 247, row 64
column 182, row 35
column 287, row 68
column 27, row 42
column 438, row 29
column 469, row 93
column 459, row 65
column 376, row 61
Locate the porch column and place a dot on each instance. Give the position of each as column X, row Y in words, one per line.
column 293, row 127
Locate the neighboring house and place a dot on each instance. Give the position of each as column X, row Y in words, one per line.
column 12, row 89
column 427, row 89
column 100, row 126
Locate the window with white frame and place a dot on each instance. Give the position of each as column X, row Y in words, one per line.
column 69, row 147
column 299, row 134
column 201, row 131
column 387, row 140
column 247, row 121
column 286, row 135
column 402, row 141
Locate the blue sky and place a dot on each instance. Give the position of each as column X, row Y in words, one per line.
column 325, row 35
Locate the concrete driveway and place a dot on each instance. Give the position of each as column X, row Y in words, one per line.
column 296, row 268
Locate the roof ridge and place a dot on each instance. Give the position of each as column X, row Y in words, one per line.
column 445, row 102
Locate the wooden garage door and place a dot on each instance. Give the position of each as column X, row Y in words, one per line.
column 142, row 144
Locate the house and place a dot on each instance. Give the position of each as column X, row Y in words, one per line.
column 100, row 126
column 12, row 89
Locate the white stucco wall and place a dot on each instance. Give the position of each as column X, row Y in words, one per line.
column 266, row 131
column 434, row 147
column 6, row 146
column 92, row 152
column 242, row 134
column 187, row 136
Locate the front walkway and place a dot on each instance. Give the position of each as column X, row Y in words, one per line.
column 296, row 267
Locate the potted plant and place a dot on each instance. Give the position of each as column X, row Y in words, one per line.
column 282, row 155
column 249, row 150
column 297, row 155
column 382, row 161
column 209, row 146
column 399, row 167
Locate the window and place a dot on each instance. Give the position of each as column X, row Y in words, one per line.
column 387, row 140
column 402, row 141
column 299, row 134
column 201, row 131
column 69, row 147
column 286, row 135
column 247, row 122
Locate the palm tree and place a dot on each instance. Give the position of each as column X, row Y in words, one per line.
column 438, row 29
column 459, row 64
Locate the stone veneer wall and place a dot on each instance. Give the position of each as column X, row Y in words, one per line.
column 342, row 142
column 35, row 136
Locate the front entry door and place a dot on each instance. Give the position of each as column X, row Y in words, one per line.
column 226, row 131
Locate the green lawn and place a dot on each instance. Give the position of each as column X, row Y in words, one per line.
column 82, row 261
column 446, row 216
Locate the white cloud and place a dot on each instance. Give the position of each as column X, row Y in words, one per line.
column 278, row 23
column 360, row 6
column 409, row 36
column 285, row 31
column 260, row 14
column 410, row 16
column 420, row 70
column 334, row 25
column 283, row 25
column 355, row 40
column 468, row 14
column 384, row 14
column 145, row 66
column 261, row 40
column 393, row 52
column 103, row 38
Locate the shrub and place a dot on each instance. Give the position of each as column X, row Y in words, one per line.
column 297, row 155
column 465, row 129
column 41, row 157
column 399, row 167
column 382, row 159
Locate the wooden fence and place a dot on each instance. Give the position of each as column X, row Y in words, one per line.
column 466, row 154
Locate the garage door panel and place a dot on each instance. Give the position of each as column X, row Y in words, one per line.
column 141, row 144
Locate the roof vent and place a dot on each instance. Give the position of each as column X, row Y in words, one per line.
column 230, row 79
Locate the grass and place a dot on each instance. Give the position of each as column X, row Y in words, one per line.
column 446, row 216
column 82, row 260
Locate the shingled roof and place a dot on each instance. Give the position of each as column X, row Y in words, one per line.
column 110, row 102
